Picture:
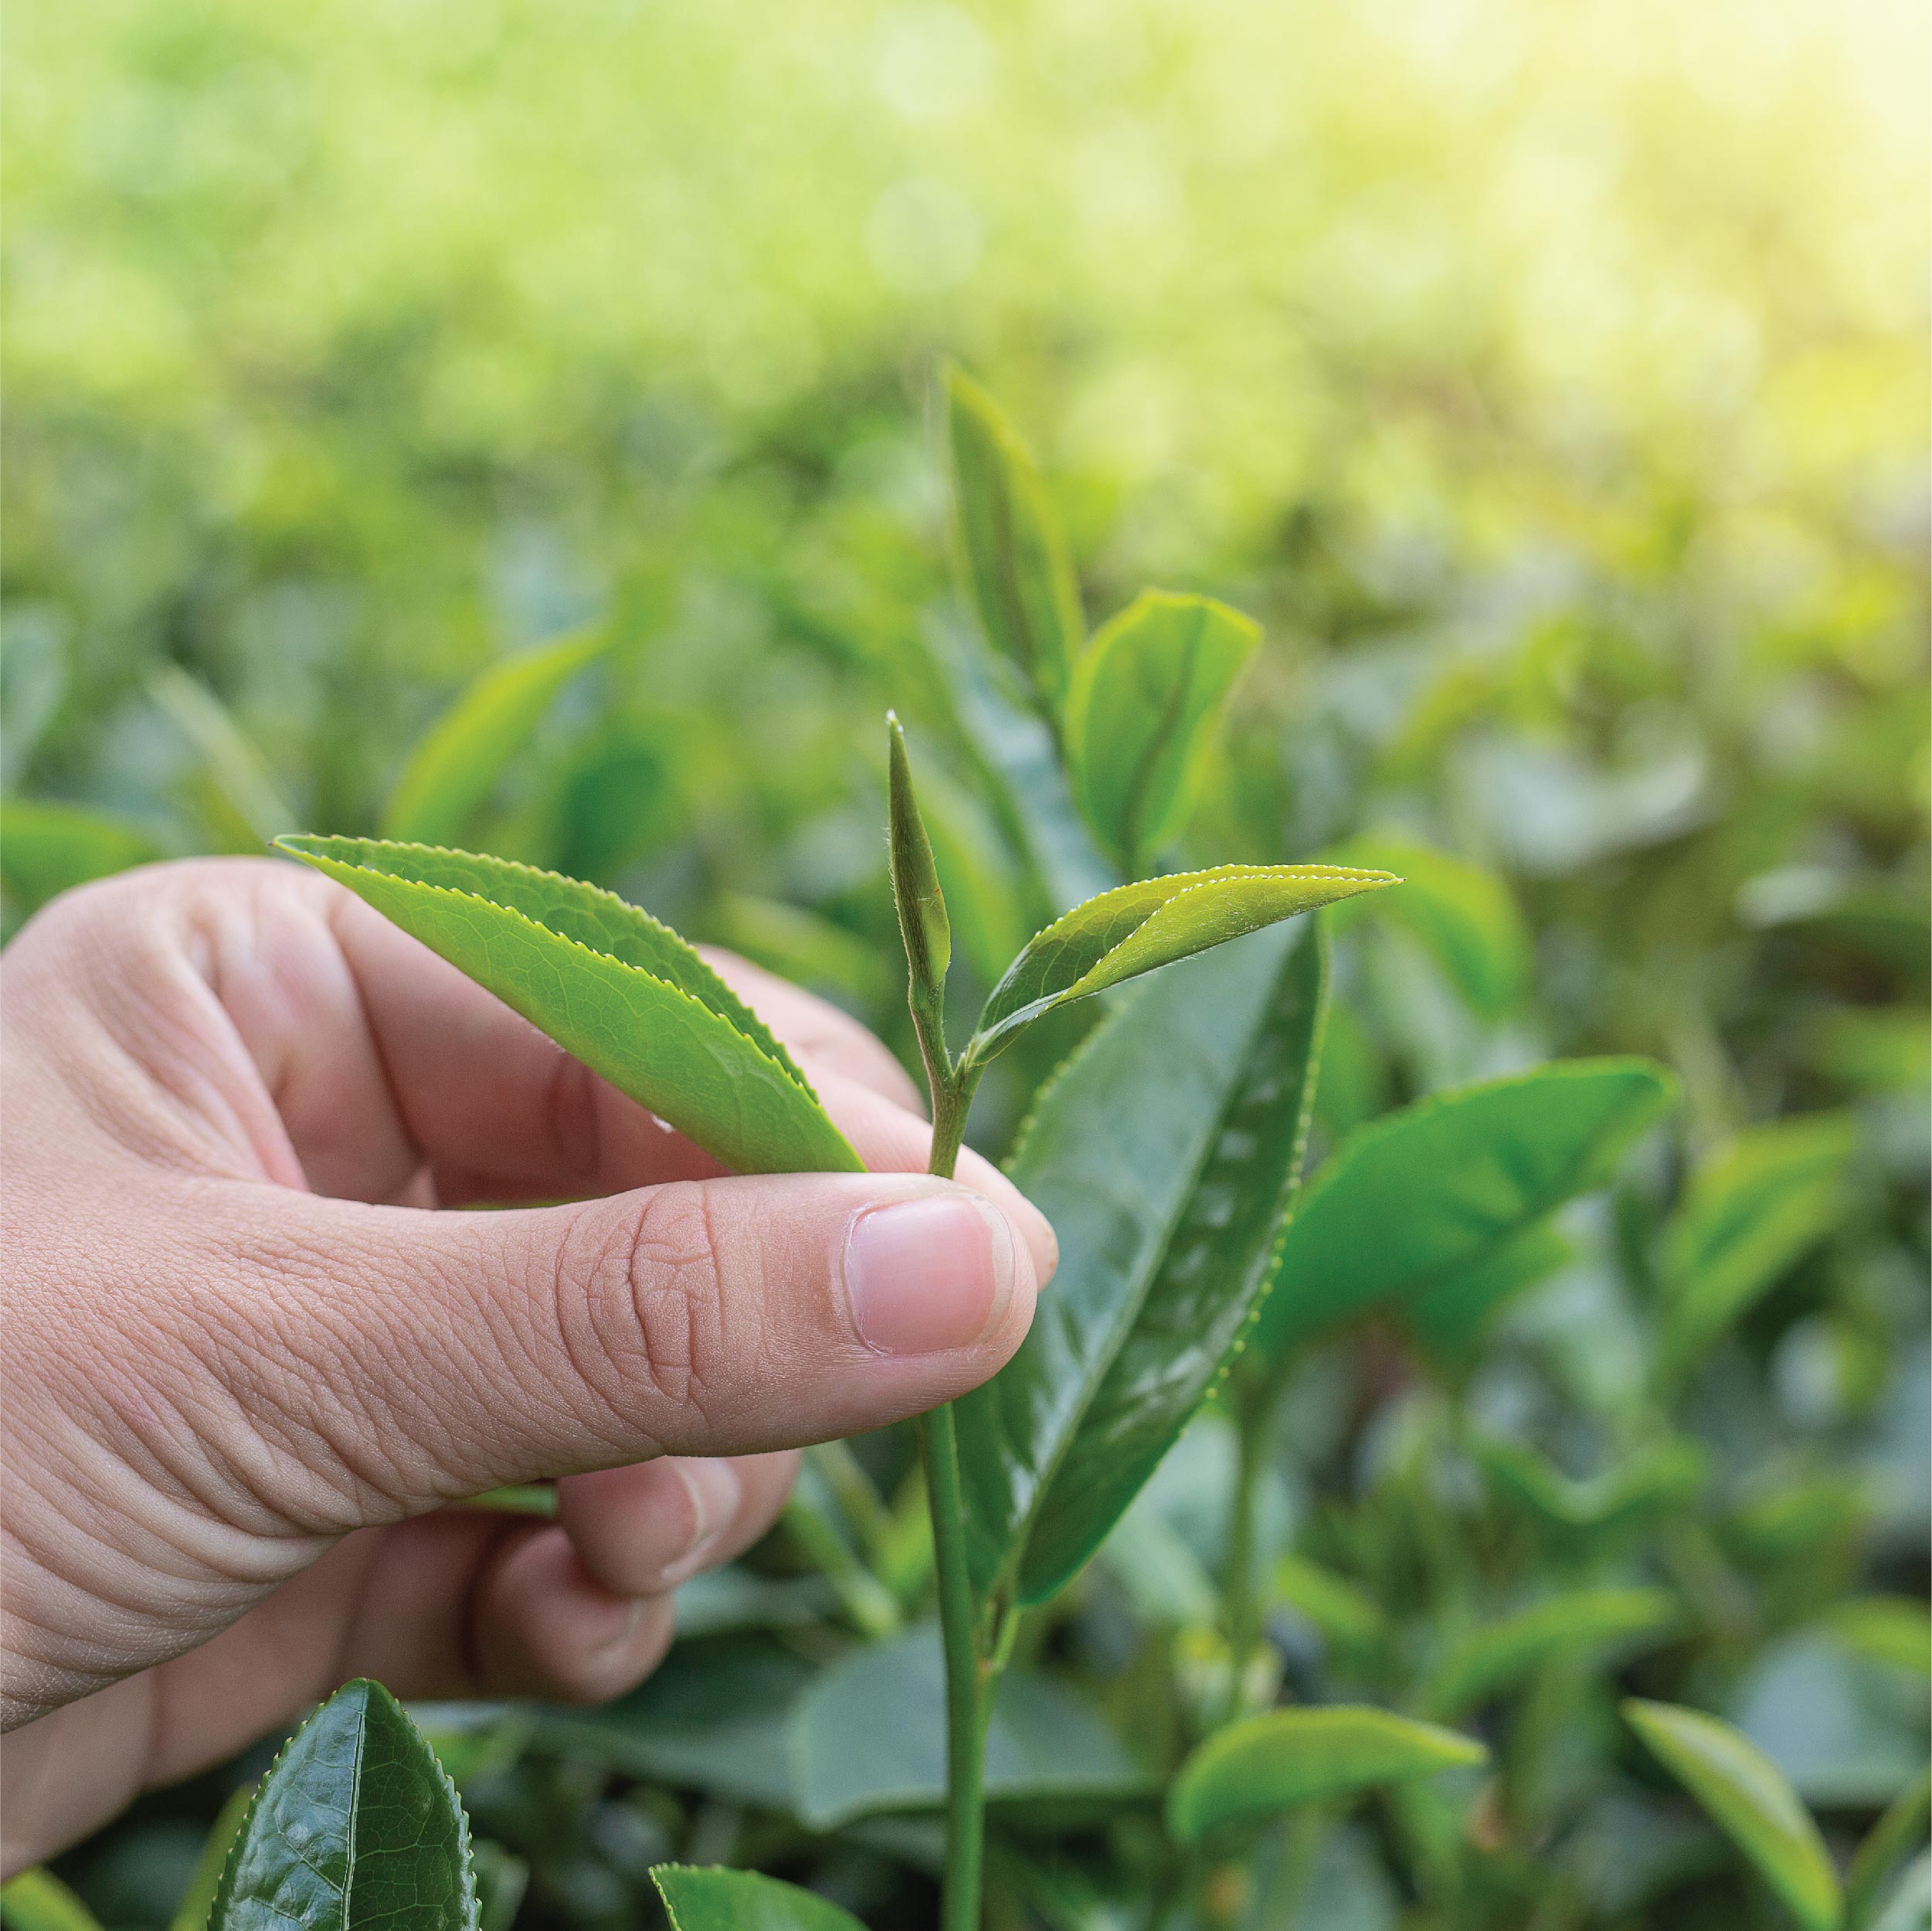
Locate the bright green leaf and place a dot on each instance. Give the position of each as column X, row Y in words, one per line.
column 1270, row 1763
column 1421, row 1196
column 1165, row 1153
column 36, row 1900
column 457, row 762
column 1498, row 1655
column 868, row 1738
column 354, row 1828
column 1749, row 1799
column 1013, row 557
column 699, row 1899
column 1141, row 712
column 239, row 800
column 47, row 849
column 923, row 926
column 1897, row 1629
column 1750, row 1214
column 1343, row 1610
column 1136, row 928
column 610, row 984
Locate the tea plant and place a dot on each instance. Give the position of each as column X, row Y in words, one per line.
column 1408, row 1699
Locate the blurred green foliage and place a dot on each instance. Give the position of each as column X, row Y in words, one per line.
column 1548, row 382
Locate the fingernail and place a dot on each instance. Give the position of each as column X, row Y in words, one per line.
column 624, row 1624
column 716, row 1492
column 929, row 1274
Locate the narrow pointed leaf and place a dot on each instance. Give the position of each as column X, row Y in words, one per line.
column 239, row 797
column 1013, row 556
column 1214, row 1267
column 192, row 1914
column 1136, row 928
column 456, row 763
column 610, row 984
column 1164, row 1153
column 1141, row 711
column 1270, row 1763
column 868, row 1739
column 1498, row 1655
column 355, row 1828
column 1747, row 1797
column 1899, row 1831
column 697, row 1898
column 916, row 879
column 1421, row 1196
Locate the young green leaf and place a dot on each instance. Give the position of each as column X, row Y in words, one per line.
column 1749, row 1799
column 1165, row 1153
column 1748, row 1216
column 36, row 1900
column 1467, row 917
column 1141, row 712
column 1272, row 1762
column 1496, row 1656
column 237, row 795
column 916, row 879
column 1012, row 555
column 1418, row 1197
column 456, row 764
column 609, row 983
column 354, row 1828
column 48, row 849
column 1043, row 1743
column 1899, row 1832
column 698, row 1899
column 1136, row 928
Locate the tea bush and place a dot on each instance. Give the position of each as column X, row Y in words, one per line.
column 504, row 428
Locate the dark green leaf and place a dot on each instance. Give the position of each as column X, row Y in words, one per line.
column 718, row 1900
column 609, row 983
column 1013, row 557
column 457, row 762
column 1498, row 1655
column 1270, row 1763
column 1747, row 1797
column 1422, row 1196
column 1136, row 928
column 1164, row 1152
column 355, row 1827
column 48, row 849
column 1216, row 1260
column 1750, row 1213
column 1141, row 711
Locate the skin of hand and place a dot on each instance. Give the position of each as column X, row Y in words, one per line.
column 271, row 1305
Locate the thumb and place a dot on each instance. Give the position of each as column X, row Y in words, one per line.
column 433, row 1355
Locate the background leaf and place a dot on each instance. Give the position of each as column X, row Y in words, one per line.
column 1470, row 1169
column 459, row 760
column 850, row 1759
column 355, row 1827
column 610, row 984
column 1499, row 1653
column 699, row 1899
column 1141, row 711
column 1748, row 1798
column 1271, row 1763
column 46, row 849
column 36, row 1900
column 1014, row 559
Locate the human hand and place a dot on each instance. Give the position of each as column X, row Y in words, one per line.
column 255, row 1346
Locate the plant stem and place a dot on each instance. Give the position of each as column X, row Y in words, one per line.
column 969, row 1673
column 1252, row 1410
column 968, row 1678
